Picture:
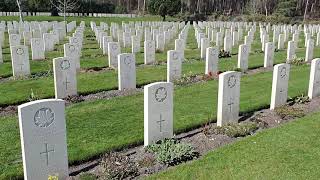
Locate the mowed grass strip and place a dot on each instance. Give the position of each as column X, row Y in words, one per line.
column 19, row 91
column 104, row 125
column 287, row 152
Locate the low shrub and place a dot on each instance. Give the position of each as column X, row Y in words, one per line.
column 297, row 61
column 117, row 166
column 299, row 99
column 234, row 129
column 172, row 152
column 288, row 112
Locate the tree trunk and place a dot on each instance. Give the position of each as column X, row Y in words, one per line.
column 164, row 18
column 305, row 11
column 20, row 10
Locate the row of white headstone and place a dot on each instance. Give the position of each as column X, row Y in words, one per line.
column 20, row 56
column 43, row 126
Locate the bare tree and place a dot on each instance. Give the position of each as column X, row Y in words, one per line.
column 65, row 6
column 305, row 11
column 19, row 4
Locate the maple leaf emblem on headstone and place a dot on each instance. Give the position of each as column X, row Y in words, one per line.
column 44, row 117
column 161, row 94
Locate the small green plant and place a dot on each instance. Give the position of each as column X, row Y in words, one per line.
column 237, row 69
column 172, row 152
column 224, row 54
column 186, row 79
column 32, row 96
column 297, row 61
column 289, row 112
column 234, row 129
column 87, row 176
column 118, row 166
column 299, row 99
column 147, row 161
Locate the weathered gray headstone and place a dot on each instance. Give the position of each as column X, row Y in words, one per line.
column 126, row 71
column 43, row 139
column 65, row 77
column 228, row 98
column 280, row 85
column 158, row 112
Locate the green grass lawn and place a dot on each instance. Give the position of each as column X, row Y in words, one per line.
column 99, row 126
column 103, row 125
column 287, row 152
column 18, row 91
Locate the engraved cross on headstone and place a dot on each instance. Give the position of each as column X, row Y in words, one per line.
column 66, row 83
column 46, row 152
column 230, row 104
column 160, row 122
column 175, row 70
column 21, row 65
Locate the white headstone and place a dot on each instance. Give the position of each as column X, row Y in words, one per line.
column 291, row 52
column 309, row 50
column 228, row 98
column 106, row 40
column 269, row 54
column 280, row 85
column 314, row 82
column 113, row 52
column 281, row 42
column 174, row 63
column 72, row 51
column 14, row 39
column 126, row 71
column 158, row 112
column 43, row 139
column 135, row 41
column 37, row 47
column 227, row 44
column 20, row 61
column 160, row 42
column 179, row 46
column 212, row 59
column 65, row 77
column 205, row 43
column 48, row 42
column 243, row 57
column 149, row 52
column 1, row 56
